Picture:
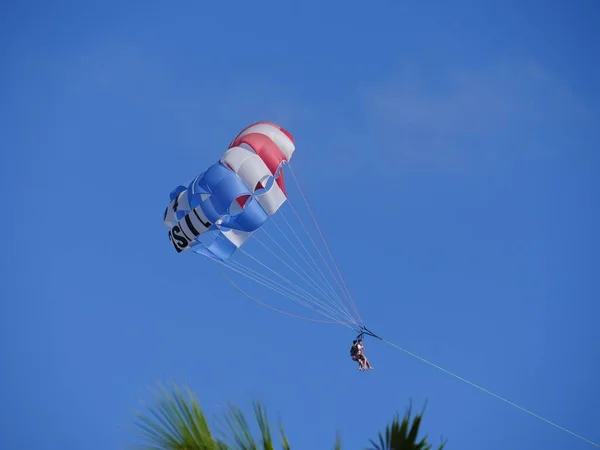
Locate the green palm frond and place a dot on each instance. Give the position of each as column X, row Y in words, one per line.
column 174, row 422
column 338, row 442
column 239, row 435
column 285, row 444
column 403, row 435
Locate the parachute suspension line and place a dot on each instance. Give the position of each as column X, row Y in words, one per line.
column 315, row 300
column 256, row 276
column 297, row 296
column 306, row 277
column 344, row 295
column 261, row 279
column 270, row 286
column 281, row 311
column 273, row 285
column 339, row 303
column 323, row 287
column 290, row 292
column 492, row 394
column 313, row 242
column 316, row 272
column 325, row 242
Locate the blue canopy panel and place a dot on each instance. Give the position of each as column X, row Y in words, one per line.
column 220, row 248
column 228, row 203
column 217, row 212
column 221, row 208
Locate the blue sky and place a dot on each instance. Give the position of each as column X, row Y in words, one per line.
column 450, row 155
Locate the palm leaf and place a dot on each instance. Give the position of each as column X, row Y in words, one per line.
column 403, row 435
column 285, row 445
column 338, row 442
column 174, row 422
column 239, row 435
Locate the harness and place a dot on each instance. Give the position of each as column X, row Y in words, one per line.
column 364, row 330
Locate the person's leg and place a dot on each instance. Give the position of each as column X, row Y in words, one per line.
column 361, row 362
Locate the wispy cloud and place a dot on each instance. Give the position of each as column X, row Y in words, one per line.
column 459, row 117
column 451, row 120
column 185, row 108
